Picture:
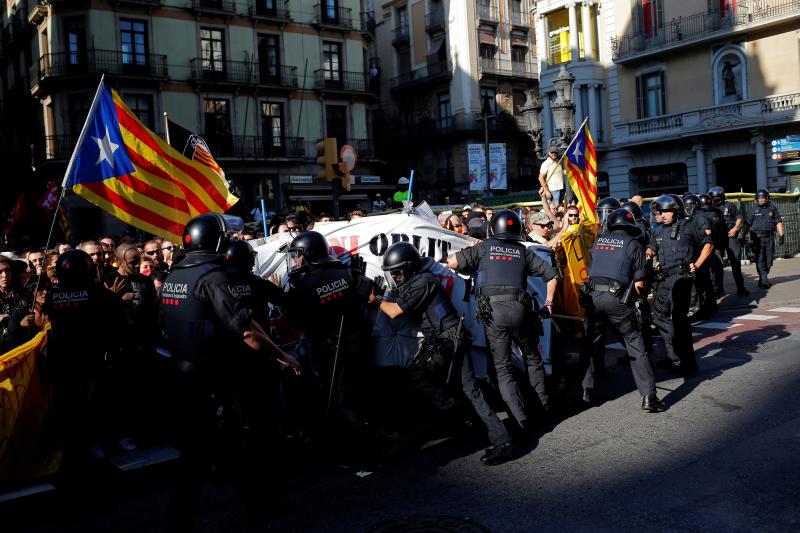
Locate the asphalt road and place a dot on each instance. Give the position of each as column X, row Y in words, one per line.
column 724, row 457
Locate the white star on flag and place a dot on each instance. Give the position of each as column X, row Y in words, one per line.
column 577, row 152
column 107, row 149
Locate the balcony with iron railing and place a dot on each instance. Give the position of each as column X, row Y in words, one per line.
column 275, row 11
column 256, row 147
column 55, row 147
column 217, row 7
column 488, row 13
column 430, row 73
column 702, row 27
column 364, row 148
column 747, row 114
column 400, row 37
column 434, row 20
column 141, row 3
column 508, row 69
column 368, row 24
column 111, row 62
column 520, row 20
column 244, row 73
column 457, row 123
column 341, row 81
column 333, row 18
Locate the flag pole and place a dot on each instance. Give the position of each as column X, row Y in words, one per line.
column 67, row 174
column 166, row 128
column 561, row 159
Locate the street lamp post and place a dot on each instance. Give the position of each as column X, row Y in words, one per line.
column 563, row 109
column 486, row 114
column 532, row 121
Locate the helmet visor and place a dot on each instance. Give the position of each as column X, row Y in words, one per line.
column 294, row 260
column 395, row 277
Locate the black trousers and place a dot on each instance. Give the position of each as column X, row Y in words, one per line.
column 733, row 251
column 670, row 315
column 704, row 299
column 763, row 245
column 512, row 322
column 605, row 309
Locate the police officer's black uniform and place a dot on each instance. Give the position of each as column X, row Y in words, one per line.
column 503, row 265
column 732, row 245
column 205, row 321
column 617, row 261
column 704, row 301
column 719, row 236
column 674, row 245
column 444, row 352
column 762, row 222
column 326, row 297
column 81, row 313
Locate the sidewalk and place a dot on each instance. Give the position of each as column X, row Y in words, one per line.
column 784, row 276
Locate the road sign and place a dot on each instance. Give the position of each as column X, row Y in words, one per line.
column 349, row 157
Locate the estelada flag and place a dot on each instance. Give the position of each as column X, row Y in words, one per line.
column 192, row 146
column 574, row 261
column 17, row 213
column 49, row 199
column 126, row 169
column 581, row 163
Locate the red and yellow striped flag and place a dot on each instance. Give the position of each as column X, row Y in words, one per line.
column 581, row 163
column 129, row 171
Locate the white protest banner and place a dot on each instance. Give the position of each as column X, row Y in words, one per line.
column 370, row 237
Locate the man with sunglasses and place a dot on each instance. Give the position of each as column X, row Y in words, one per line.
column 152, row 249
column 169, row 250
column 501, row 266
column 540, row 228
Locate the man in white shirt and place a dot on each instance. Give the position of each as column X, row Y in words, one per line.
column 551, row 178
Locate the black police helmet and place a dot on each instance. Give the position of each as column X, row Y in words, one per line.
column 312, row 246
column 75, row 268
column 678, row 200
column 717, row 195
column 505, row 225
column 623, row 219
column 705, row 200
column 668, row 202
column 240, row 255
column 691, row 202
column 762, row 193
column 209, row 232
column 633, row 208
column 606, row 206
column 402, row 261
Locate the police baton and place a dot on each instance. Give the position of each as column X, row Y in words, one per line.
column 335, row 361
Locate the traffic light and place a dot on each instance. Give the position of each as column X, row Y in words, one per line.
column 344, row 174
column 328, row 157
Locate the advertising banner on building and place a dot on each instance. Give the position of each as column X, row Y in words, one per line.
column 476, row 160
column 395, row 341
column 498, row 177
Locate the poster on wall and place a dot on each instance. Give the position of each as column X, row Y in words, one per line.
column 498, row 177
column 476, row 159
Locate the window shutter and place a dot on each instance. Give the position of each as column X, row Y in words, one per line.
column 663, row 90
column 639, row 109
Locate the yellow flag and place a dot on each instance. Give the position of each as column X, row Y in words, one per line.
column 574, row 263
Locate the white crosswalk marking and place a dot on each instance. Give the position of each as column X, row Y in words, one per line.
column 756, row 317
column 786, row 310
column 716, row 325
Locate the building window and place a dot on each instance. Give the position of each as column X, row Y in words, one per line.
column 444, row 113
column 331, row 62
column 269, row 57
column 402, row 18
column 142, row 107
column 489, row 96
column 336, row 123
column 648, row 18
column 331, row 11
column 653, row 181
column 77, row 108
column 557, row 27
column 267, row 7
column 217, row 120
column 487, row 51
column 651, row 94
column 272, row 127
column 518, row 54
column 729, row 67
column 133, row 41
column 212, row 49
column 75, row 35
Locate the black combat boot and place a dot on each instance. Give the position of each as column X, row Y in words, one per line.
column 498, row 454
column 652, row 404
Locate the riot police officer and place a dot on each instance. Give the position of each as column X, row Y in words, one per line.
column 762, row 222
column 206, row 325
column 642, row 223
column 256, row 292
column 326, row 300
column 604, row 208
column 732, row 245
column 616, row 281
column 704, row 300
column 673, row 244
column 445, row 345
column 80, row 310
column 719, row 236
column 503, row 265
